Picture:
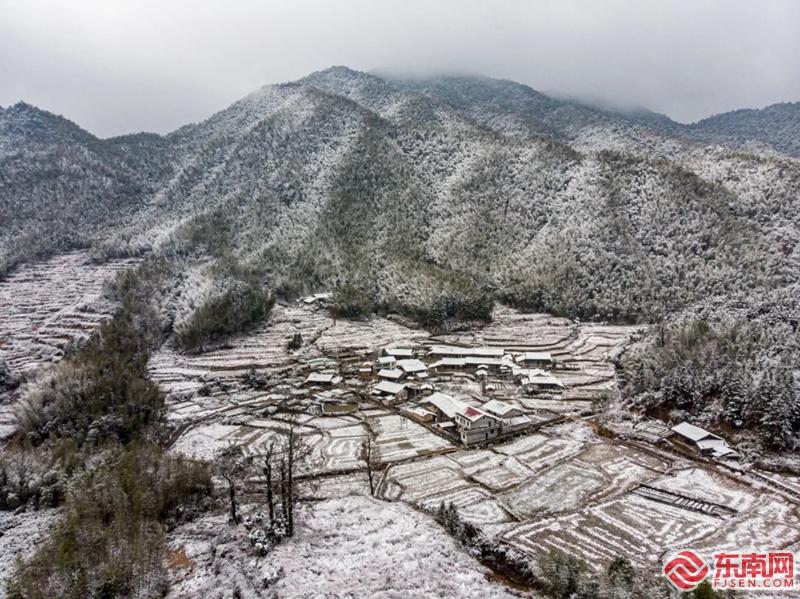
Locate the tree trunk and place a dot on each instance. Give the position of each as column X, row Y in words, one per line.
column 370, row 473
column 232, row 495
column 290, row 519
column 284, row 493
column 268, row 476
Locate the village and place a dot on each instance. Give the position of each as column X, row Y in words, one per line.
column 512, row 422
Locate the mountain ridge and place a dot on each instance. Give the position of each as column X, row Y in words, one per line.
column 453, row 186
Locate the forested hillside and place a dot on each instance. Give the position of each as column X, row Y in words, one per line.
column 406, row 192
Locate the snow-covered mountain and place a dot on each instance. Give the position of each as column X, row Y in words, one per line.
column 408, row 190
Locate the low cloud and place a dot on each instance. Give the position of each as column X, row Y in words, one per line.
column 117, row 66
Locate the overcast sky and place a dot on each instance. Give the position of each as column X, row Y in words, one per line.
column 117, row 66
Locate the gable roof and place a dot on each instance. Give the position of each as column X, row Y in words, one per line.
column 399, row 352
column 412, row 365
column 540, row 379
column 445, row 403
column 389, row 387
column 500, row 408
column 390, row 373
column 320, row 377
column 535, row 356
column 694, row 433
column 474, row 414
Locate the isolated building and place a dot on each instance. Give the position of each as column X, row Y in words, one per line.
column 540, row 382
column 704, row 441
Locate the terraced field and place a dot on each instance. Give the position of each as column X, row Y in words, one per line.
column 46, row 306
column 559, row 484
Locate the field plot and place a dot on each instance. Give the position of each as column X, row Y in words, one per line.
column 561, row 488
column 518, row 331
column 629, row 526
column 433, row 481
column 623, row 466
column 400, row 438
column 772, row 523
column 47, row 305
column 709, row 486
column 367, row 337
column 539, row 451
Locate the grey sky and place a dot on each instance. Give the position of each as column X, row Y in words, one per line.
column 117, row 66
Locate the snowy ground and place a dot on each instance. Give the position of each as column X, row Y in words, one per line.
column 19, row 534
column 562, row 485
column 44, row 307
column 348, row 547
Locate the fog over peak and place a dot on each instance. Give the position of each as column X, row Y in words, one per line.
column 122, row 66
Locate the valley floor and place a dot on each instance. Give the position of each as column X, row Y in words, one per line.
column 567, row 482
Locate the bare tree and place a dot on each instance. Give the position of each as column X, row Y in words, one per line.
column 268, row 481
column 229, row 465
column 279, row 465
column 369, row 453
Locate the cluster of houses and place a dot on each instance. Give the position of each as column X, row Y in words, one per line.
column 399, row 375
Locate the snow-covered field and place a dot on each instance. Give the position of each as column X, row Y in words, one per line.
column 45, row 306
column 562, row 485
column 349, row 547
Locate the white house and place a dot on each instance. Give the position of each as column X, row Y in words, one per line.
column 705, row 442
column 475, row 425
column 387, row 362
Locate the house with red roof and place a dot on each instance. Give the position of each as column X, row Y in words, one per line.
column 476, row 425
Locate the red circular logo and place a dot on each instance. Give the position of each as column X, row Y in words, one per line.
column 685, row 570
